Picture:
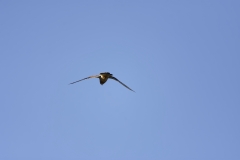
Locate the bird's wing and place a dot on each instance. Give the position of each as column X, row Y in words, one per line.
column 96, row 76
column 121, row 83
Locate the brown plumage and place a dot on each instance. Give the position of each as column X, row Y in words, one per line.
column 103, row 77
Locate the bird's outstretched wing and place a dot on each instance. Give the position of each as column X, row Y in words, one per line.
column 121, row 83
column 96, row 76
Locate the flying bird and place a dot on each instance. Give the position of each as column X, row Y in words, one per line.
column 103, row 77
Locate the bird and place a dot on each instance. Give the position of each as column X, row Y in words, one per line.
column 103, row 77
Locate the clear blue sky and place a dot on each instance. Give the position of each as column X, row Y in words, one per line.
column 181, row 57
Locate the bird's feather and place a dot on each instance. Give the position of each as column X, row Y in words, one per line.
column 96, row 76
column 121, row 83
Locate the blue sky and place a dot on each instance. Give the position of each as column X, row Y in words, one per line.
column 181, row 58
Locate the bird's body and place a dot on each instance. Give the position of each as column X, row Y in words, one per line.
column 103, row 77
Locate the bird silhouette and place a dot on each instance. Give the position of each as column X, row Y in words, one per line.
column 103, row 77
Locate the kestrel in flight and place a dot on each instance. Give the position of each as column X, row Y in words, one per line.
column 103, row 77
